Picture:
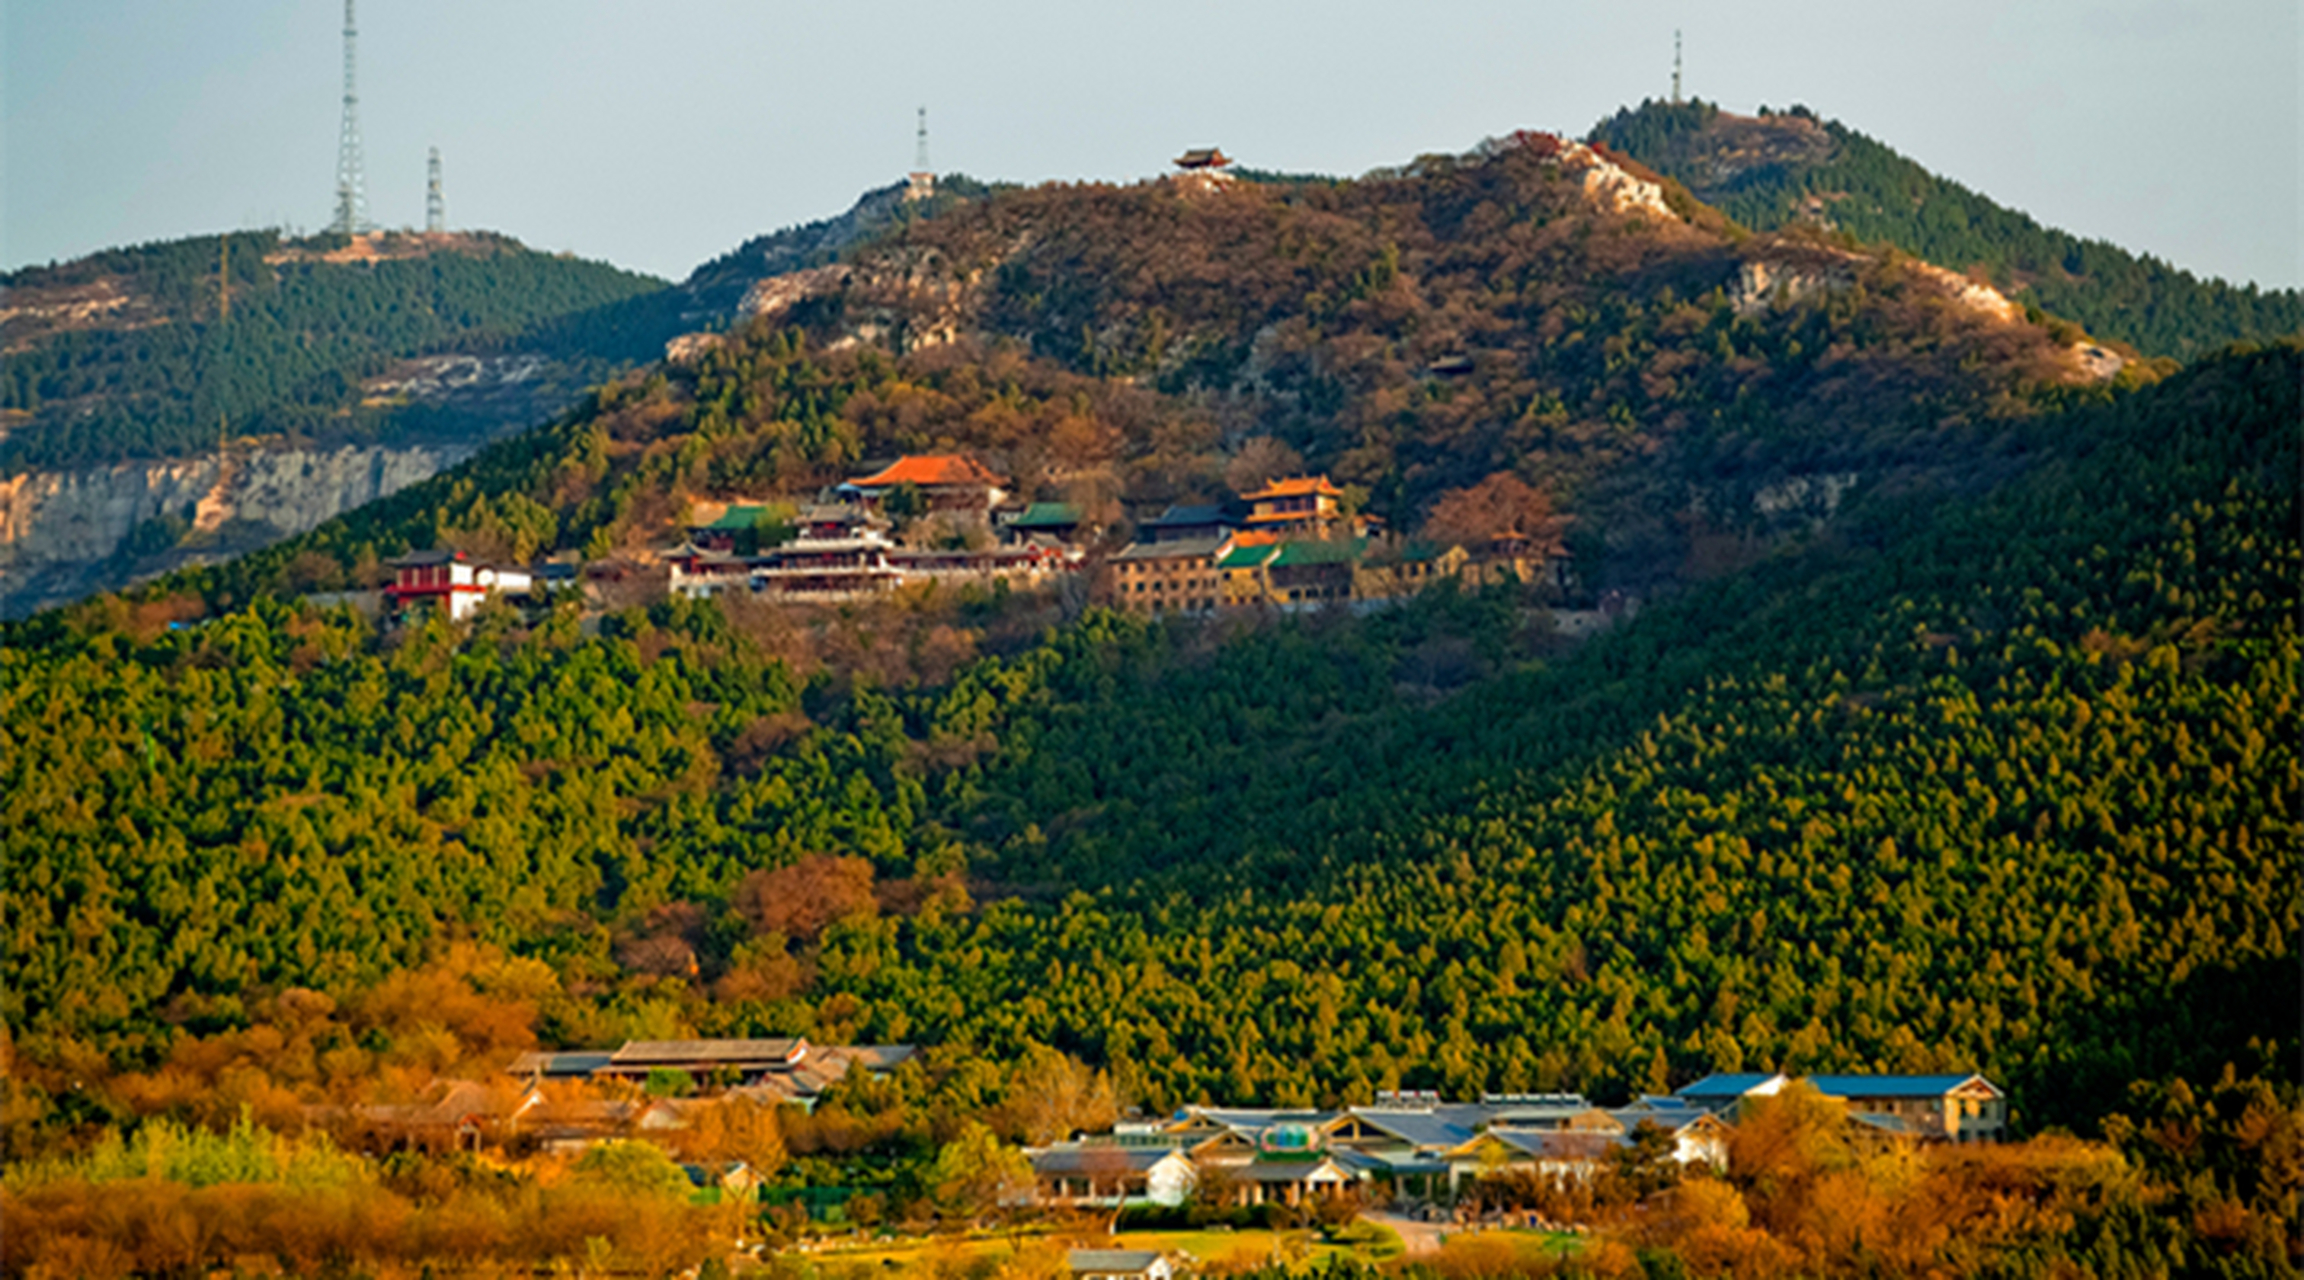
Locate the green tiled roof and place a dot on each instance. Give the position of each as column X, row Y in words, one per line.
column 1307, row 553
column 1247, row 557
column 1047, row 515
column 738, row 519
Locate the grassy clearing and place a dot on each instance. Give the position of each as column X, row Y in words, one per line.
column 955, row 1255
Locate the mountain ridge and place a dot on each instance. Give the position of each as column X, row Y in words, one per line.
column 1955, row 731
column 1623, row 359
column 1781, row 169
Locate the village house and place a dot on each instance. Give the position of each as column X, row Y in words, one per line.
column 734, row 1179
column 829, row 520
column 1409, row 1147
column 1297, row 548
column 1937, row 1108
column 459, row 1116
column 1029, row 563
column 1242, row 574
column 1296, row 507
column 699, row 573
column 1949, row 1108
column 1055, row 523
column 774, row 1070
column 1117, row 1264
column 946, row 482
column 1698, row 1136
column 737, row 528
column 832, row 551
column 1576, row 1155
column 842, row 567
column 1291, row 574
column 1189, row 522
column 862, row 564
column 1413, row 1147
column 1108, row 1174
column 559, row 1121
column 449, row 580
column 1394, row 573
column 1168, row 577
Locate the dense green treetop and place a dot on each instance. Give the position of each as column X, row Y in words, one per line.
column 2004, row 782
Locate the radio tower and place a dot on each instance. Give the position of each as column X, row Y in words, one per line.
column 921, row 182
column 435, row 204
column 1675, row 66
column 351, row 182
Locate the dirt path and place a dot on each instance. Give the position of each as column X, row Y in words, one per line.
column 1418, row 1237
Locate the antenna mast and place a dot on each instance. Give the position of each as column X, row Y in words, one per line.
column 921, row 182
column 351, row 182
column 1675, row 65
column 435, row 204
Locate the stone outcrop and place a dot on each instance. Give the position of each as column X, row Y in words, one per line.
column 2095, row 363
column 62, row 533
column 1605, row 183
column 1814, row 496
column 1760, row 283
column 1613, row 187
column 775, row 295
column 1980, row 298
column 1793, row 274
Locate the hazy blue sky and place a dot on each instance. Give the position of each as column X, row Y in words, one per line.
column 658, row 135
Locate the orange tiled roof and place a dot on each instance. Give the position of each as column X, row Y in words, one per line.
column 930, row 469
column 1295, row 486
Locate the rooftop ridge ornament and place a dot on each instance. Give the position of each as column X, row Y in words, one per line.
column 351, row 181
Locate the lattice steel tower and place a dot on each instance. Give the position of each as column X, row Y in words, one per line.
column 921, row 182
column 1675, row 66
column 351, row 182
column 435, row 204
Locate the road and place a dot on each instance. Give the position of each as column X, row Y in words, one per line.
column 1418, row 1237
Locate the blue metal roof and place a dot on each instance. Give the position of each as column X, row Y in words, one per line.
column 1421, row 1129
column 1734, row 1085
column 1560, row 1144
column 1187, row 515
column 1889, row 1086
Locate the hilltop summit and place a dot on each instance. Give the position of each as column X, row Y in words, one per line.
column 1780, row 170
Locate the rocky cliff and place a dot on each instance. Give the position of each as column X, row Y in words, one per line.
column 65, row 534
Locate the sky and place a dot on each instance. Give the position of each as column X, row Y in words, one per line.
column 659, row 135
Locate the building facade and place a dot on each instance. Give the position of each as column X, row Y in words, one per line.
column 1169, row 577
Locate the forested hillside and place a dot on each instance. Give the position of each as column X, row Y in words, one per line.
column 2004, row 780
column 1125, row 346
column 164, row 349
column 719, row 286
column 1780, row 170
column 1949, row 722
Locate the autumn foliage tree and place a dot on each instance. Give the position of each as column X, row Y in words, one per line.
column 1052, row 1096
column 1501, row 512
column 798, row 901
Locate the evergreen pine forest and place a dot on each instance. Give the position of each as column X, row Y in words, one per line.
column 1994, row 768
column 252, row 334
